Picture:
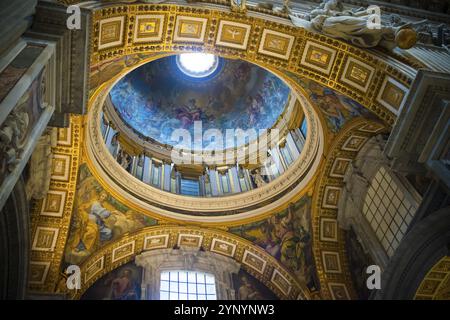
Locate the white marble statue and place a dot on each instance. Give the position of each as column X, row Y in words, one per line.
column 355, row 26
column 259, row 180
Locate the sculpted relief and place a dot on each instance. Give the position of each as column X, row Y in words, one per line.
column 362, row 27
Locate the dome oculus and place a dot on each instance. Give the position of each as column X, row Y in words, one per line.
column 197, row 65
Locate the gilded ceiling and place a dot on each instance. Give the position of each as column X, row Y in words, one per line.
column 294, row 247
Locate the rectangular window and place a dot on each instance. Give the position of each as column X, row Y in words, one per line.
column 286, row 154
column 304, row 127
column 156, row 175
column 190, row 187
column 187, row 285
column 225, row 182
column 388, row 209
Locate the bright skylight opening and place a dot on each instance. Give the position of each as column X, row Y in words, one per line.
column 197, row 65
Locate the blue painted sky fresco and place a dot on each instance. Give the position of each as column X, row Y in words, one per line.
column 157, row 98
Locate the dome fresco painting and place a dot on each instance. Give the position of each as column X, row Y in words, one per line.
column 157, row 98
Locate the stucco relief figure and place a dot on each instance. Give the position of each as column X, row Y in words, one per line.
column 40, row 166
column 355, row 26
column 113, row 147
column 124, row 159
column 12, row 134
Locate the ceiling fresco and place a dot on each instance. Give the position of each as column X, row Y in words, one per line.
column 98, row 219
column 336, row 108
column 287, row 237
column 157, row 98
column 124, row 283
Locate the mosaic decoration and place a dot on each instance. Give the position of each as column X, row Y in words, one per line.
column 336, row 108
column 248, row 287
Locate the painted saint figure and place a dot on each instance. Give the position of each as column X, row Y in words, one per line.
column 124, row 287
column 247, row 291
column 98, row 213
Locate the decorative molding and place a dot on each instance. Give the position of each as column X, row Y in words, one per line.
column 149, row 28
column 51, row 216
column 233, row 34
column 318, row 57
column 276, row 44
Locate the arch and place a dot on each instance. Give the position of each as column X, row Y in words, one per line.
column 426, row 244
column 252, row 258
column 328, row 238
column 15, row 247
